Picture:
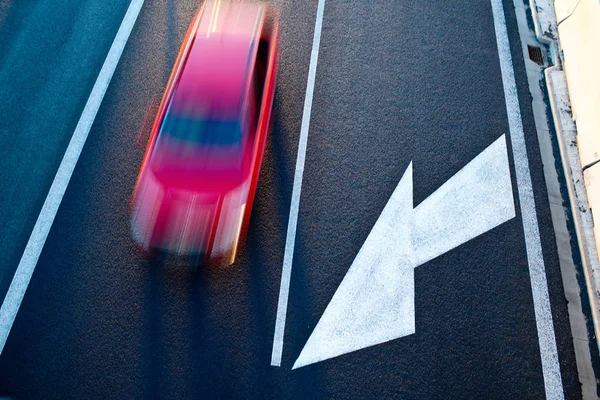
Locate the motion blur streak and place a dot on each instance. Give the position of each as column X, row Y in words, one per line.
column 197, row 182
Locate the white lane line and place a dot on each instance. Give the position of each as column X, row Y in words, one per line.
column 22, row 276
column 295, row 204
column 537, row 270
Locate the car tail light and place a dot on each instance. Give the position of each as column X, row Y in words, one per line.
column 229, row 224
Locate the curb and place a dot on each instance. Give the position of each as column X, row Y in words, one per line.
column 566, row 130
column 546, row 32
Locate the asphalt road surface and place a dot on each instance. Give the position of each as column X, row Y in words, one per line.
column 396, row 82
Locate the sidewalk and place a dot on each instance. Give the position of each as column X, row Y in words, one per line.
column 571, row 30
column 578, row 25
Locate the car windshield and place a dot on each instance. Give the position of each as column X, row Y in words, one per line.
column 201, row 130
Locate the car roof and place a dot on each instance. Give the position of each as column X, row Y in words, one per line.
column 213, row 78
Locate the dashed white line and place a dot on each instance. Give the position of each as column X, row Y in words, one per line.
column 26, row 266
column 537, row 270
column 295, row 203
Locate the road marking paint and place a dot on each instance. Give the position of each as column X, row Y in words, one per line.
column 475, row 200
column 537, row 270
column 295, row 203
column 32, row 252
column 375, row 302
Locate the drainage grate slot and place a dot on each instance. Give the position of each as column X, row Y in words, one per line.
column 535, row 54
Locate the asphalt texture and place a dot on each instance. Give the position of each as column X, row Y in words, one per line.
column 50, row 55
column 396, row 82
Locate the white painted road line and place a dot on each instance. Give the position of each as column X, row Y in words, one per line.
column 295, row 203
column 22, row 276
column 537, row 270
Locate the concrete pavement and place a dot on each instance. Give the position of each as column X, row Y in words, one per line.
column 571, row 30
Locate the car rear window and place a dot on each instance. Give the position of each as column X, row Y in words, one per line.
column 202, row 130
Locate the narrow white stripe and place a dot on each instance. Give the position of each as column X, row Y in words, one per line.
column 22, row 276
column 537, row 271
column 295, row 204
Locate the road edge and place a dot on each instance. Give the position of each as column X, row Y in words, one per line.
column 583, row 295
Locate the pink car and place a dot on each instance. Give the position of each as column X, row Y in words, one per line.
column 197, row 182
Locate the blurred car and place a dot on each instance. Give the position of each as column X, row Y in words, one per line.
column 196, row 185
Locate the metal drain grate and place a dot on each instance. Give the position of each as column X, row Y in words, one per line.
column 535, row 54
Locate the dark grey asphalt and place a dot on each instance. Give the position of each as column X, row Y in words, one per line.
column 50, row 55
column 396, row 83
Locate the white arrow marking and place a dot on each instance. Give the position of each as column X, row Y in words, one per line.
column 375, row 301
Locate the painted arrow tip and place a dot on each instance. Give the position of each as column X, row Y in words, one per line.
column 375, row 301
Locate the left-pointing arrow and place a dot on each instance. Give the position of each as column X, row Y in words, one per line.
column 375, row 301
